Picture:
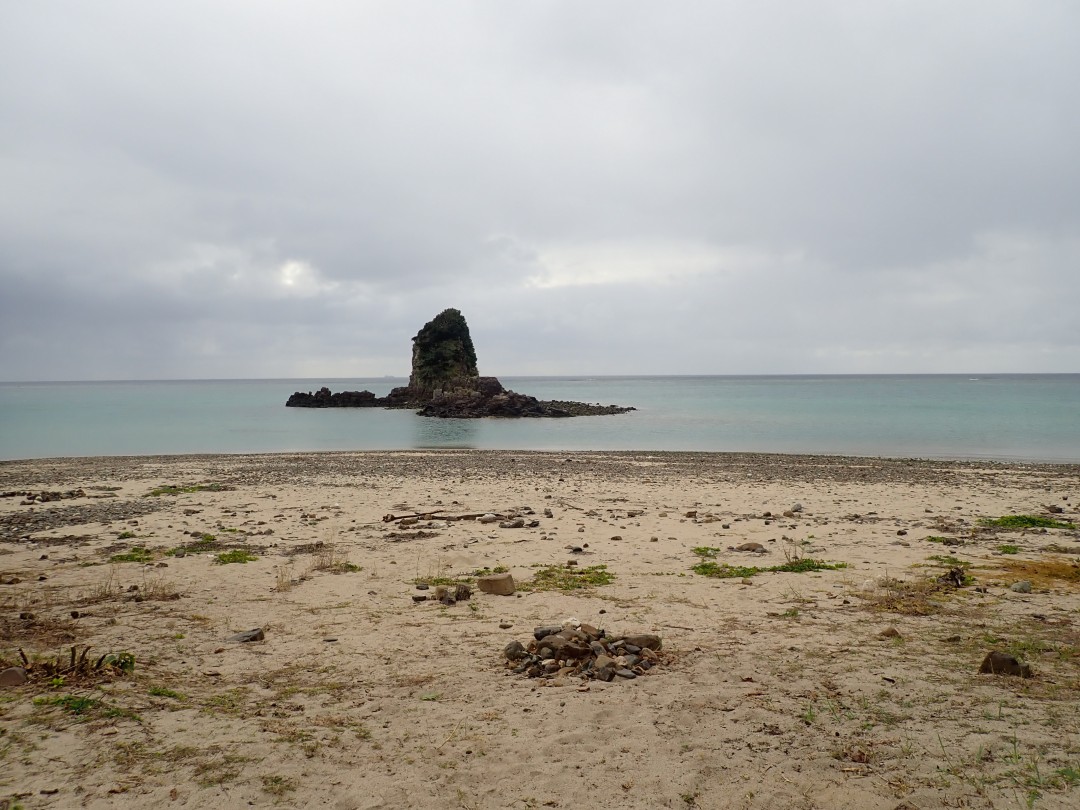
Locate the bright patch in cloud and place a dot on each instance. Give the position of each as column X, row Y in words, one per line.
column 655, row 263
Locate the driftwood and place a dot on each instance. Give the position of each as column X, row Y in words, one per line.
column 437, row 515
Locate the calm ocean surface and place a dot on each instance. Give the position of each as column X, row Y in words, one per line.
column 1010, row 417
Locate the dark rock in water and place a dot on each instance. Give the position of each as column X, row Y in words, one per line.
column 999, row 663
column 343, row 399
column 248, row 635
column 445, row 382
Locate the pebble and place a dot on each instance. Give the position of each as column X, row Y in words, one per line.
column 248, row 635
column 1023, row 586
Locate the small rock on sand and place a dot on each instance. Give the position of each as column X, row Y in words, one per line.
column 999, row 663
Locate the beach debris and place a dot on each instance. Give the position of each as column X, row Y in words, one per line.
column 43, row 496
column 755, row 548
column 75, row 664
column 515, row 523
column 437, row 515
column 999, row 663
column 497, row 584
column 576, row 650
column 248, row 635
column 448, row 595
column 954, row 576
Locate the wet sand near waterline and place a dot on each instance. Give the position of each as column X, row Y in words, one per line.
column 782, row 691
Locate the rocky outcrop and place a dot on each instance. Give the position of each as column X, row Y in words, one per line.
column 342, row 399
column 444, row 382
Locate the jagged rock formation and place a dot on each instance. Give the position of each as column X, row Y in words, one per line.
column 446, row 383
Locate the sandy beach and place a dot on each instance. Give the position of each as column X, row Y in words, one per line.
column 851, row 684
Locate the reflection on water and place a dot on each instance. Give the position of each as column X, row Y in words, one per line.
column 458, row 434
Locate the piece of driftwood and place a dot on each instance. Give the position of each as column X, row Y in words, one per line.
column 437, row 515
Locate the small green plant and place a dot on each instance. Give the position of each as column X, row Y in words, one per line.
column 125, row 535
column 72, row 704
column 1009, row 549
column 708, row 568
column 201, row 544
column 562, row 578
column 1025, row 522
column 708, row 552
column 717, row 570
column 138, row 554
column 431, row 696
column 935, row 538
column 175, row 489
column 486, row 572
column 237, row 555
column 162, row 691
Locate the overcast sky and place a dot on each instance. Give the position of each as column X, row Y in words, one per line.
column 271, row 189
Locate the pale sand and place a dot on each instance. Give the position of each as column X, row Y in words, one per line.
column 779, row 693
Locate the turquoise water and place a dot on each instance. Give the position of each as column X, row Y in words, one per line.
column 1009, row 417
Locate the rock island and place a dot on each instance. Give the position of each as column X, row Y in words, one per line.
column 445, row 382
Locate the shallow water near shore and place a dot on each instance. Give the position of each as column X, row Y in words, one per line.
column 1008, row 417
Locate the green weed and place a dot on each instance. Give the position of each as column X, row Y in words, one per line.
column 237, row 555
column 561, row 578
column 138, row 554
column 1025, row 522
column 173, row 489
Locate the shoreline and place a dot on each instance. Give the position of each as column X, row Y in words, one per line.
column 859, row 684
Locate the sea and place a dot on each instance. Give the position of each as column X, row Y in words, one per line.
column 1009, row 417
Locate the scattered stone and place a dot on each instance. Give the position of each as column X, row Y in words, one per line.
column 616, row 537
column 419, row 597
column 1023, row 586
column 13, row 676
column 797, row 507
column 515, row 651
column 497, row 584
column 1054, row 509
column 746, row 581
column 488, row 518
column 901, row 532
column 248, row 635
column 581, row 650
column 516, row 523
column 890, row 632
column 422, row 586
column 999, row 663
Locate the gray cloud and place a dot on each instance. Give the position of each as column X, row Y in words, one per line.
column 293, row 189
